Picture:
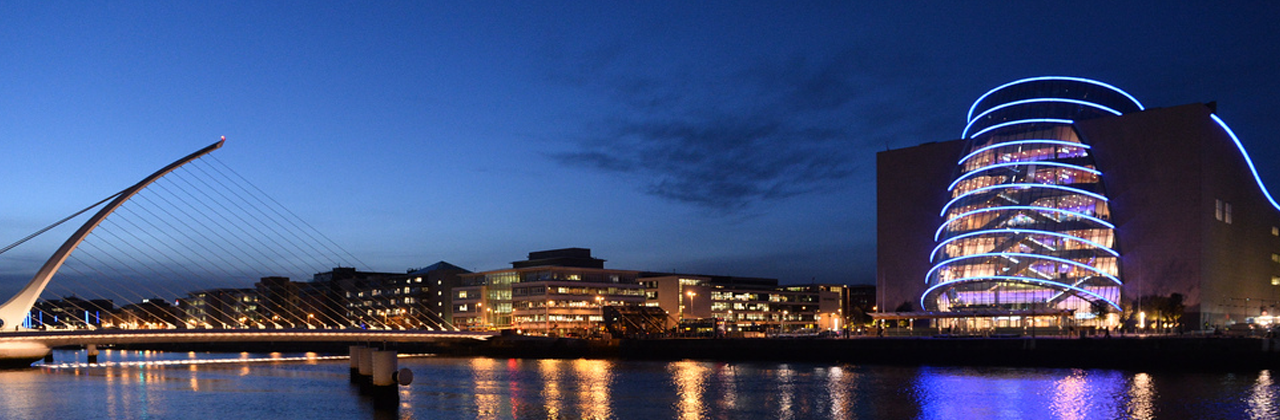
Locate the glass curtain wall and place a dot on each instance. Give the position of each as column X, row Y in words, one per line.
column 1027, row 226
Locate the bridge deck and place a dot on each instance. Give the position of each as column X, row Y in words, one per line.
column 67, row 338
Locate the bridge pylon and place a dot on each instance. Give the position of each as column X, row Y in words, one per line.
column 16, row 309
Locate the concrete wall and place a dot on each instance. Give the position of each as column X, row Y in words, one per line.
column 911, row 188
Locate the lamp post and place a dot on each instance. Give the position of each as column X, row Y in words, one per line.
column 691, row 294
column 600, row 306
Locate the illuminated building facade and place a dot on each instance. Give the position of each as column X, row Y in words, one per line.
column 564, row 292
column 557, row 291
column 1027, row 226
column 747, row 304
column 1066, row 195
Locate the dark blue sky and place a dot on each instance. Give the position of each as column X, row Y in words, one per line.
column 715, row 137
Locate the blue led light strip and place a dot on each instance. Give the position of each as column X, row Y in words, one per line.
column 1036, row 79
column 933, row 255
column 1014, row 143
column 1030, row 101
column 1076, row 284
column 1023, row 186
column 1024, row 255
column 1027, row 121
column 1050, row 284
column 1033, row 208
column 1246, row 159
column 1007, row 164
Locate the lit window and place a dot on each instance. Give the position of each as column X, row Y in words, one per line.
column 1275, row 231
column 1217, row 210
column 1275, row 258
column 1275, row 281
column 1227, row 216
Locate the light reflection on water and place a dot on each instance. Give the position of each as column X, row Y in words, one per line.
column 1142, row 395
column 466, row 388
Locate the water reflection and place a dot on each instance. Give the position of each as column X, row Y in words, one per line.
column 1069, row 400
column 1019, row 393
column 839, row 387
column 1262, row 399
column 468, row 388
column 688, row 377
column 1142, row 395
column 594, row 380
column 786, row 391
column 487, row 403
column 728, row 376
column 550, row 371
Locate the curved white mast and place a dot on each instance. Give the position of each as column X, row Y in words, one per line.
column 16, row 309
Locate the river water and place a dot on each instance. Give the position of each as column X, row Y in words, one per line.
column 160, row 385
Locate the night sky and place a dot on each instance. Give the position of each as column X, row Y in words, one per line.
column 707, row 137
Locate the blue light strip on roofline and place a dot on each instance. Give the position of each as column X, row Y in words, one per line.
column 933, row 255
column 1014, row 143
column 1036, row 79
column 1026, row 121
column 1246, row 159
column 1035, row 208
column 935, row 268
column 1024, row 186
column 1017, row 279
column 1034, row 162
column 1031, row 101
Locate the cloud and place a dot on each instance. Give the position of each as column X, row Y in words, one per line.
column 725, row 140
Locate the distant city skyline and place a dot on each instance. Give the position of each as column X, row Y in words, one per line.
column 729, row 139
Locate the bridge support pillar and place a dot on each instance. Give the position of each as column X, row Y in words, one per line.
column 365, row 366
column 354, row 360
column 385, row 390
column 384, row 366
column 92, row 351
column 48, row 358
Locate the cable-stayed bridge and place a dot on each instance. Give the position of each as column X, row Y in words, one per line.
column 196, row 253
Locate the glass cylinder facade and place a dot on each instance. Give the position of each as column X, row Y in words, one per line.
column 1027, row 226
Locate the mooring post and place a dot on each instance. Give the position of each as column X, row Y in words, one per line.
column 92, row 350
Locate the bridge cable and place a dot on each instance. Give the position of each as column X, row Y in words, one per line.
column 55, row 224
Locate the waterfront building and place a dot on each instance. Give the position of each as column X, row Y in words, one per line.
column 557, row 291
column 743, row 304
column 152, row 313
column 219, row 308
column 280, row 302
column 69, row 312
column 339, row 295
column 858, row 301
column 1067, row 198
column 418, row 299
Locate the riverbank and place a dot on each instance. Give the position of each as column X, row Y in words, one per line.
column 1153, row 352
column 1126, row 352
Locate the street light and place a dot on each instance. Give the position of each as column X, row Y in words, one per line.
column 691, row 294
